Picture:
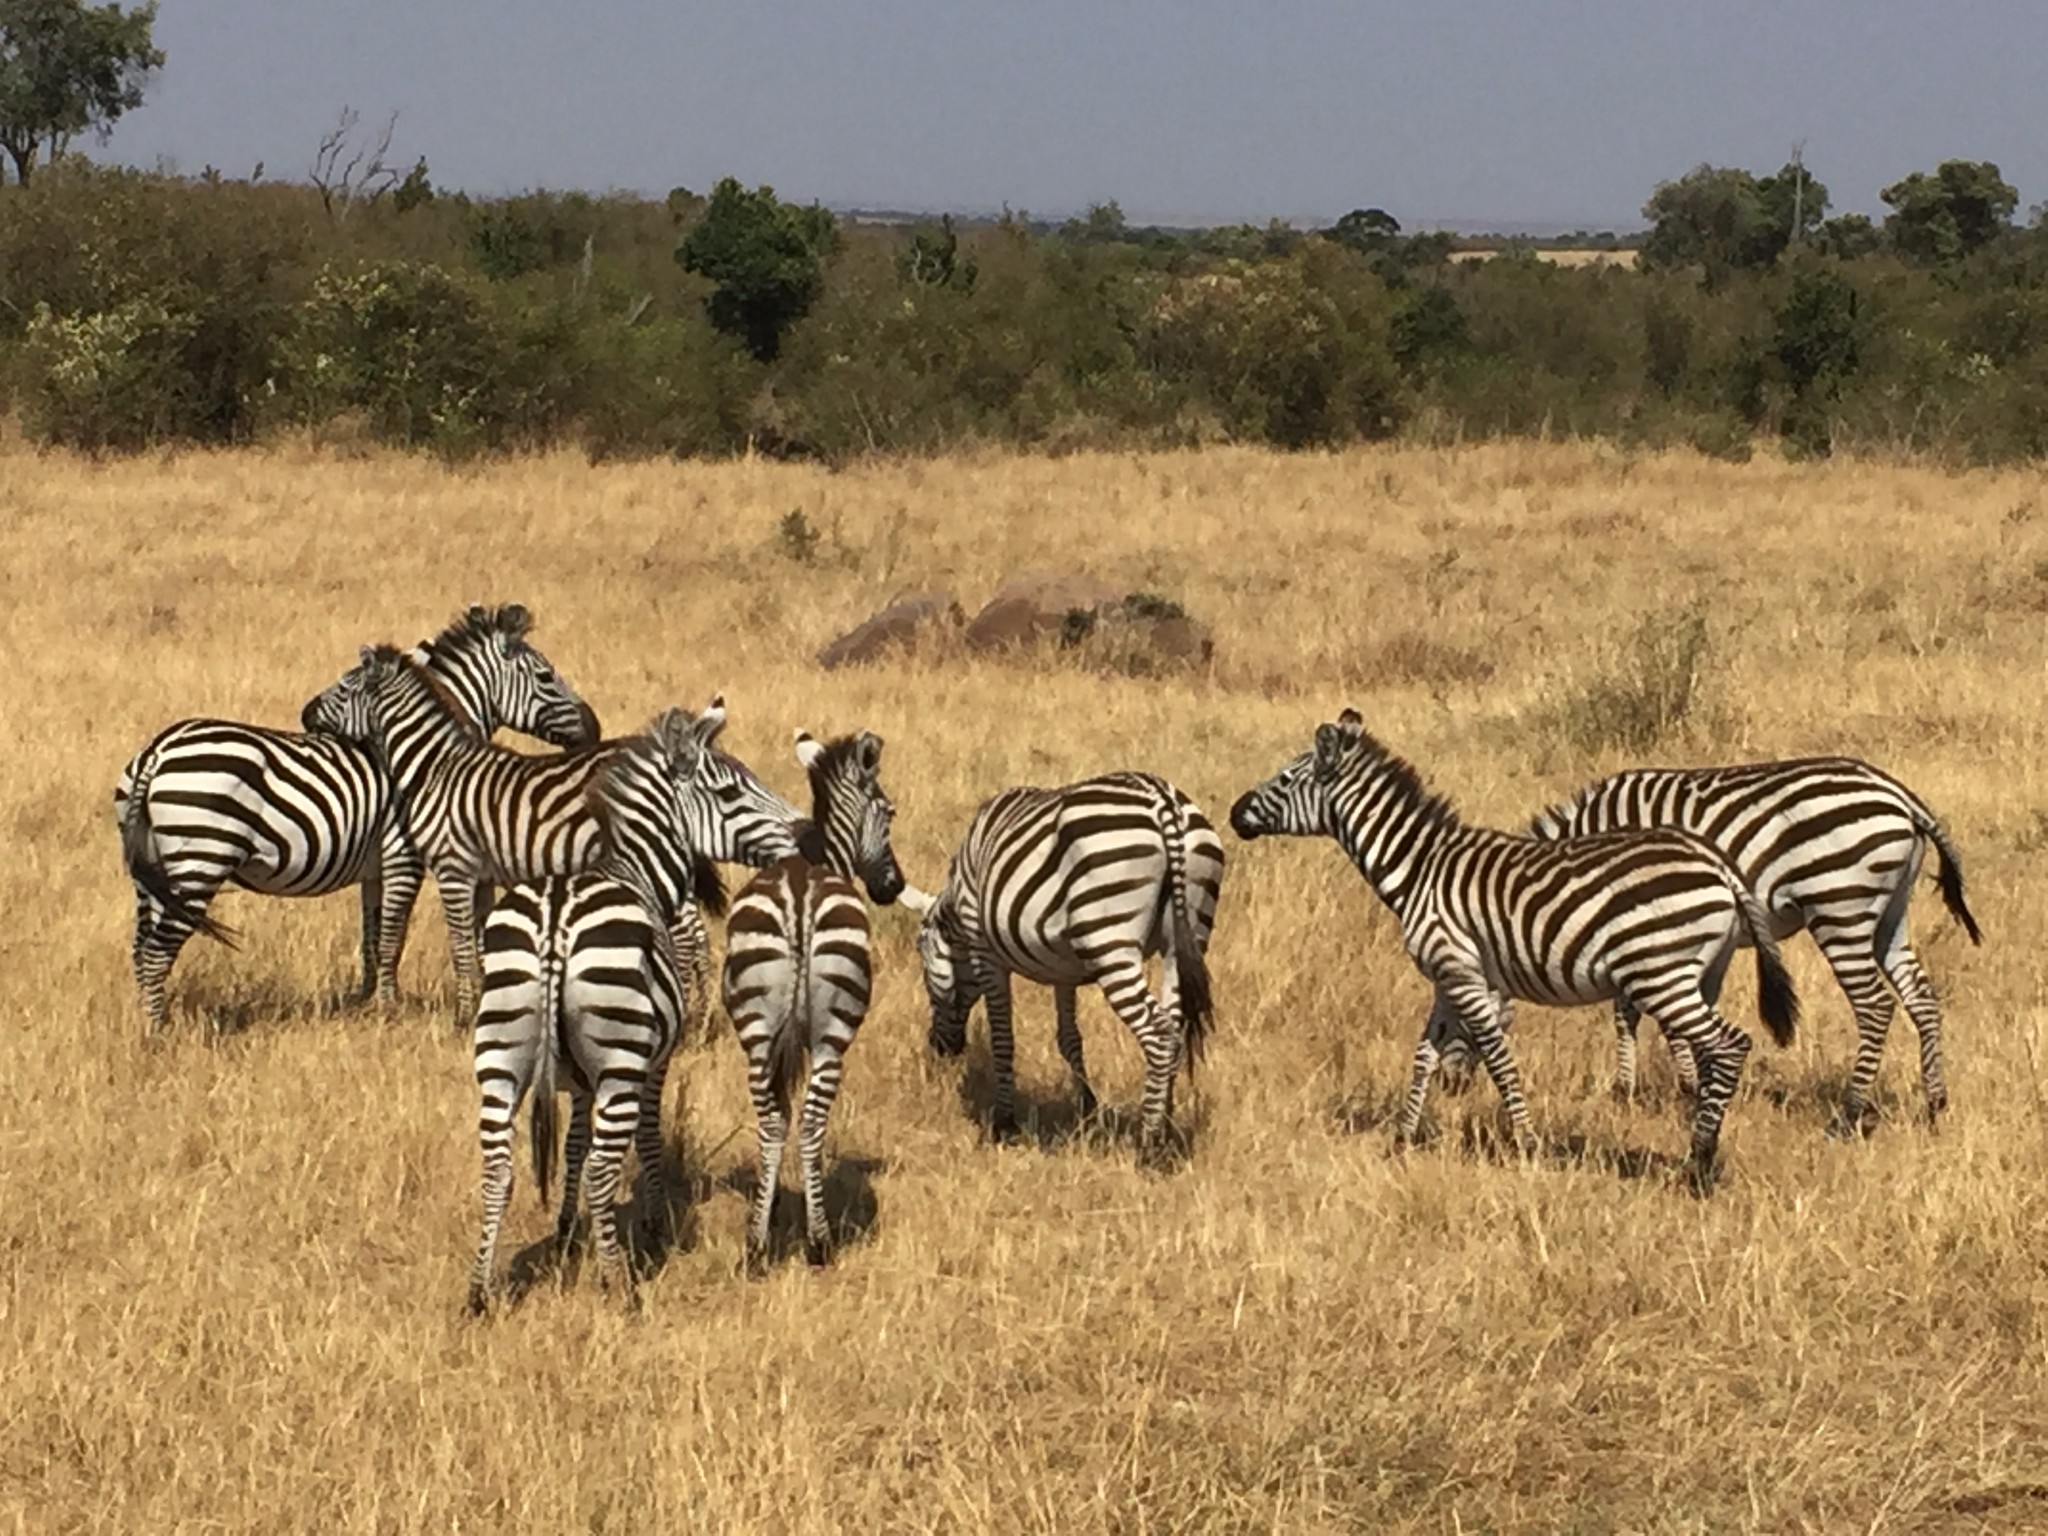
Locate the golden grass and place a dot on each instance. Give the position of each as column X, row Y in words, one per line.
column 234, row 1269
column 1594, row 258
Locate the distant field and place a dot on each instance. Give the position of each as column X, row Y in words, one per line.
column 1561, row 258
column 234, row 1268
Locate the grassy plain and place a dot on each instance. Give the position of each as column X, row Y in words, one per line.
column 233, row 1266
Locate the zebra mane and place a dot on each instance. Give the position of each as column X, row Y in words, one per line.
column 512, row 620
column 1434, row 809
column 445, row 700
column 603, row 790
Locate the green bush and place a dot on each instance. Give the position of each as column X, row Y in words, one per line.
column 110, row 379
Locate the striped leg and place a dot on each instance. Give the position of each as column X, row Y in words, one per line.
column 1063, row 1002
column 1850, row 953
column 614, row 1116
column 575, row 1155
column 653, row 1153
column 458, row 903
column 1720, row 1049
column 1439, row 1038
column 771, row 1118
column 505, row 1064
column 1626, row 1019
column 371, row 892
column 1123, row 983
column 827, row 1068
column 994, row 982
column 159, row 937
column 1484, row 1018
column 399, row 873
column 1902, row 970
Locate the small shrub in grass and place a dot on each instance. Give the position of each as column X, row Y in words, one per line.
column 111, row 379
column 1648, row 693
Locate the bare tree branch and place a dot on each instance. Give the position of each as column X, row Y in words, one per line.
column 346, row 172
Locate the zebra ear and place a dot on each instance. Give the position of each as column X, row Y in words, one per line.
column 1330, row 744
column 711, row 722
column 869, row 746
column 809, row 750
column 1352, row 725
column 514, row 621
column 676, row 737
column 918, row 901
column 366, row 655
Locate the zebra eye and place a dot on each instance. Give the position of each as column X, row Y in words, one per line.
column 545, row 674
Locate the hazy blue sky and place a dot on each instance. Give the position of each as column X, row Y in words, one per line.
column 1467, row 111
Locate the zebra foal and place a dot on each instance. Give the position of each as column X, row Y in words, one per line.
column 799, row 975
column 1653, row 917
column 209, row 803
column 583, row 987
column 1828, row 844
column 1073, row 886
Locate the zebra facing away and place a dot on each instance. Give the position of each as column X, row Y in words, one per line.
column 481, row 815
column 212, row 802
column 1071, row 886
column 1489, row 917
column 1828, row 844
column 798, row 974
column 582, row 978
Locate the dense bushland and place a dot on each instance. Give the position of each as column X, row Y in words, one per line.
column 140, row 309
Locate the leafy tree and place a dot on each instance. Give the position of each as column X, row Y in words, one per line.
column 1103, row 224
column 416, row 191
column 933, row 258
column 1961, row 208
column 767, row 258
column 66, row 67
column 1849, row 236
column 1722, row 219
column 1367, row 231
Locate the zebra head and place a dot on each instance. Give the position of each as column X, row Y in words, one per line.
column 485, row 659
column 1295, row 802
column 851, row 812
column 362, row 705
column 948, row 981
column 670, row 798
column 348, row 708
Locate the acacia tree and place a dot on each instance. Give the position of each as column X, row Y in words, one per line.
column 1721, row 219
column 1962, row 207
column 66, row 67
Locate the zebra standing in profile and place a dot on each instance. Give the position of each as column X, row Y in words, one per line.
column 582, row 976
column 1488, row 917
column 798, row 975
column 213, row 802
column 1828, row 844
column 1071, row 886
column 480, row 815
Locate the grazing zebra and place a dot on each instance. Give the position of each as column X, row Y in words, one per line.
column 480, row 815
column 1829, row 844
column 1488, row 917
column 212, row 802
column 798, row 974
column 581, row 975
column 1073, row 885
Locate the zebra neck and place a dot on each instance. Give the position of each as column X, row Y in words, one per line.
column 423, row 735
column 1389, row 835
column 465, row 689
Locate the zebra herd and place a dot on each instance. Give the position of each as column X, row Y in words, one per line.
column 593, row 960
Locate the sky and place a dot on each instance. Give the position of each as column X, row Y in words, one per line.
column 1474, row 114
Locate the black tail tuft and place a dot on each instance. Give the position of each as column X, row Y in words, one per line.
column 788, row 1055
column 1776, row 999
column 1951, row 876
column 706, row 885
column 138, row 851
column 1197, row 1010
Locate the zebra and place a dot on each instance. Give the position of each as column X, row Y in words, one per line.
column 213, row 802
column 1072, row 885
column 480, row 815
column 1828, row 844
column 798, row 975
column 581, row 975
column 1489, row 917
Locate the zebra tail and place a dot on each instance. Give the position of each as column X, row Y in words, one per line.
column 1950, row 875
column 138, row 852
column 1190, row 965
column 1777, row 1001
column 542, row 1130
column 789, row 1053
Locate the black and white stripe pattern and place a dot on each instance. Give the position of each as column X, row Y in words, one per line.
column 798, row 973
column 1828, row 844
column 1071, row 886
column 480, row 815
column 213, row 802
column 582, row 984
column 1488, row 917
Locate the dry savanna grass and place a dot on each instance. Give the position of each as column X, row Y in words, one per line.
column 235, row 1259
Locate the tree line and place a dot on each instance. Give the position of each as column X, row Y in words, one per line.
column 141, row 309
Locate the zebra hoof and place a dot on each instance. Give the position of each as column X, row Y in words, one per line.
column 818, row 1251
column 1702, row 1174
column 755, row 1265
column 1085, row 1104
column 479, row 1301
column 1002, row 1130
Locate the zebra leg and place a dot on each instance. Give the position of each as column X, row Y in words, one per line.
column 1486, row 1018
column 1454, row 1051
column 503, row 1087
column 1851, row 954
column 575, row 1153
column 614, row 1116
column 458, row 903
column 653, row 1153
column 1437, row 1033
column 1902, row 970
column 1626, row 1017
column 1063, row 1002
column 827, row 1068
column 1122, row 978
column 159, row 938
column 1002, row 1049
column 371, row 892
column 399, row 873
column 1720, row 1049
column 771, row 1119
